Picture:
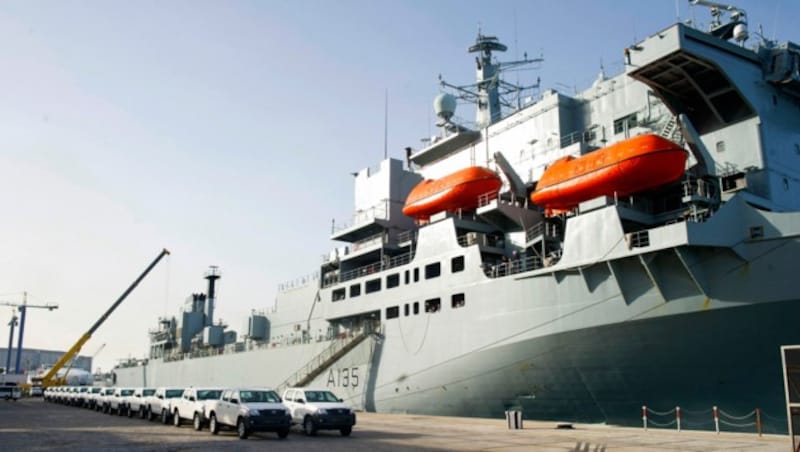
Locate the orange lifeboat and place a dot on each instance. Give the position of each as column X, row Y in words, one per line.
column 459, row 190
column 630, row 166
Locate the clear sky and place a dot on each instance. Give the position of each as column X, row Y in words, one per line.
column 226, row 132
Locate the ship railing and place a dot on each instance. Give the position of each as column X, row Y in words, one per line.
column 472, row 238
column 542, row 229
column 379, row 211
column 638, row 239
column 486, row 198
column 407, row 236
column 572, row 138
column 513, row 266
column 375, row 267
column 711, row 418
column 369, row 241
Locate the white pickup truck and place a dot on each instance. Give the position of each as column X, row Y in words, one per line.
column 137, row 402
column 192, row 406
column 318, row 409
column 103, row 399
column 117, row 402
column 159, row 404
column 249, row 410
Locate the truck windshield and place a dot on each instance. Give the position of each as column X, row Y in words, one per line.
column 208, row 394
column 148, row 392
column 321, row 396
column 259, row 396
column 173, row 393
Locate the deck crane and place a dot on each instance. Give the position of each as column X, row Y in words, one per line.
column 23, row 308
column 49, row 379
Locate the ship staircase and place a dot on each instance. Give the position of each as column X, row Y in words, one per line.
column 544, row 240
column 672, row 131
column 325, row 359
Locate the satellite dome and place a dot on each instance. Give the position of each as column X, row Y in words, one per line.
column 740, row 33
column 444, row 105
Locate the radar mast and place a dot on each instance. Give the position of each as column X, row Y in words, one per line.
column 490, row 93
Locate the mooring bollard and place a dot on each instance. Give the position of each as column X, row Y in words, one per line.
column 514, row 419
column 678, row 416
column 716, row 419
column 644, row 416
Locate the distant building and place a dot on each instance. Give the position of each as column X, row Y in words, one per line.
column 33, row 359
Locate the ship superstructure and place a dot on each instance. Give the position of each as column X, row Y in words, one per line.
column 674, row 293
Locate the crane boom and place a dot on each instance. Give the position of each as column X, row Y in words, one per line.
column 47, row 379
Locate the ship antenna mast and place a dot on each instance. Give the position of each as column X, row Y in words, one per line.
column 490, row 93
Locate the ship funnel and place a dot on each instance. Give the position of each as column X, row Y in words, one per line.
column 212, row 276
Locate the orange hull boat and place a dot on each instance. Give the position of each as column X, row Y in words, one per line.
column 630, row 166
column 459, row 190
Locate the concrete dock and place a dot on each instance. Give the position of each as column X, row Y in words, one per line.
column 32, row 424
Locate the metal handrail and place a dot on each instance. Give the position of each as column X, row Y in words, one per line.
column 513, row 266
column 375, row 267
column 486, row 198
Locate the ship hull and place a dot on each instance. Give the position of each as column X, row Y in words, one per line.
column 606, row 374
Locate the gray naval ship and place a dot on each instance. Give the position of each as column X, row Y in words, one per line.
column 677, row 293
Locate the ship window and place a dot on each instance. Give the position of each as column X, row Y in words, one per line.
column 457, row 300
column 392, row 280
column 392, row 313
column 433, row 270
column 416, row 307
column 625, row 123
column 433, row 305
column 355, row 290
column 720, row 146
column 338, row 294
column 416, row 274
column 372, row 285
column 406, row 278
column 405, row 310
column 457, row 264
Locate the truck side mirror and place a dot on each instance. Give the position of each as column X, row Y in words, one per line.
column 300, row 401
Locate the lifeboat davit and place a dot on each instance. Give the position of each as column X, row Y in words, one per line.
column 459, row 190
column 630, row 166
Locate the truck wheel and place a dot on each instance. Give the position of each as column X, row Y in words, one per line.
column 283, row 433
column 197, row 422
column 141, row 412
column 241, row 429
column 213, row 427
column 309, row 427
column 345, row 431
column 148, row 414
column 164, row 416
column 176, row 419
column 128, row 411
